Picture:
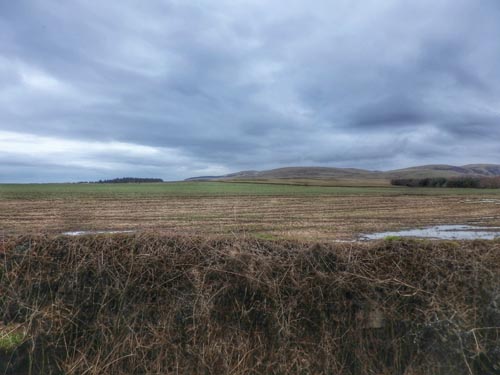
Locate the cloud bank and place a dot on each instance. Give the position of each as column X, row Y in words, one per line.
column 172, row 89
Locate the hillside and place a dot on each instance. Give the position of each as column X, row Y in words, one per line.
column 437, row 170
column 481, row 170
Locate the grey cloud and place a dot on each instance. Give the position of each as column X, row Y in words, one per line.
column 250, row 85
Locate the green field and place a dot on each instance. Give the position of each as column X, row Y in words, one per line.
column 186, row 189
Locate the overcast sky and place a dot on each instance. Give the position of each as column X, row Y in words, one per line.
column 94, row 89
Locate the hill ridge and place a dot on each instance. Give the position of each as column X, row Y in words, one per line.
column 314, row 172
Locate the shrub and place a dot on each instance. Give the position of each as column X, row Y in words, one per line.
column 454, row 182
column 147, row 304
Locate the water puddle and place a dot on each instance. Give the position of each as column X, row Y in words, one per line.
column 84, row 232
column 492, row 200
column 442, row 232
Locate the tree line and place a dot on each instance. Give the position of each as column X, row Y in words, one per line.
column 451, row 182
column 125, row 180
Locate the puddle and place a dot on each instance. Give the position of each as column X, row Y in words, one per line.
column 84, row 232
column 492, row 200
column 443, row 232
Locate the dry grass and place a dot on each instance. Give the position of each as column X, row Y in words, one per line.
column 303, row 217
column 150, row 304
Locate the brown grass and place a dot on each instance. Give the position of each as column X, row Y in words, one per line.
column 315, row 218
column 150, row 304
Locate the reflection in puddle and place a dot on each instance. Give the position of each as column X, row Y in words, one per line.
column 444, row 232
column 84, row 232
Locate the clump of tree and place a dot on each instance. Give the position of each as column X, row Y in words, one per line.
column 420, row 182
column 490, row 182
column 127, row 180
column 452, row 182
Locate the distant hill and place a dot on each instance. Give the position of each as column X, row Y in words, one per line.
column 482, row 170
column 438, row 170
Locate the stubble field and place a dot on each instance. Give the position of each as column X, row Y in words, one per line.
column 243, row 209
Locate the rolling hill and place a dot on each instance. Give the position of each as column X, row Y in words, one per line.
column 326, row 173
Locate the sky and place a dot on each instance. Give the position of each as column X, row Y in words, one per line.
column 93, row 89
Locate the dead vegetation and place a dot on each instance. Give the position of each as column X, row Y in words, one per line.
column 151, row 304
